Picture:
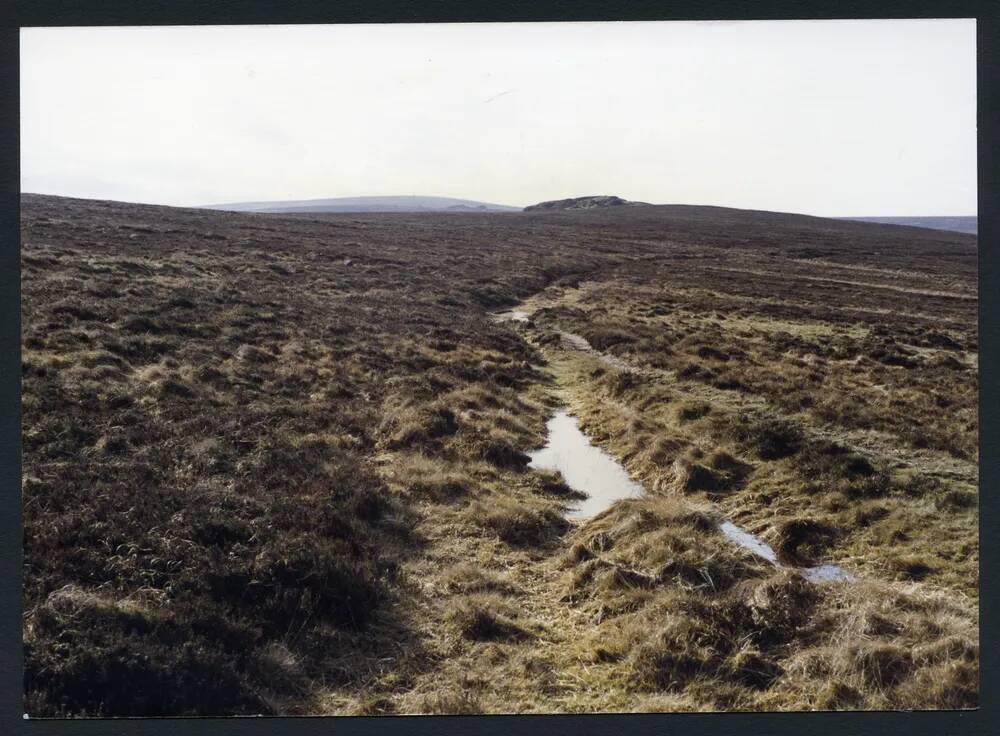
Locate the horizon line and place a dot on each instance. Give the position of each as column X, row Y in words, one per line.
column 520, row 207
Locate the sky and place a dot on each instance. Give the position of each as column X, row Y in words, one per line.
column 831, row 118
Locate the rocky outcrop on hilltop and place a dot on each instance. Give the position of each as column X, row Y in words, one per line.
column 581, row 203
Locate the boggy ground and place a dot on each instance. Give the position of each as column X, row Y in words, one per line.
column 276, row 463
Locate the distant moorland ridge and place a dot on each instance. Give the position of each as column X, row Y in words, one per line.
column 958, row 224
column 411, row 203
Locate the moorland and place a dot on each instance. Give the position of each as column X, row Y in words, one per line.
column 278, row 463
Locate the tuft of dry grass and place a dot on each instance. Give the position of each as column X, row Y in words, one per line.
column 486, row 617
column 519, row 525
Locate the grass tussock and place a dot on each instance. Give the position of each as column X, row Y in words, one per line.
column 486, row 617
column 451, row 701
column 519, row 525
column 804, row 541
column 422, row 477
column 108, row 655
column 551, row 483
column 766, row 438
column 465, row 578
column 718, row 473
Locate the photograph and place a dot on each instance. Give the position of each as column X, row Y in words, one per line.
column 606, row 367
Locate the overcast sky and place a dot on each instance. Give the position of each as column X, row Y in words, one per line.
column 831, row 118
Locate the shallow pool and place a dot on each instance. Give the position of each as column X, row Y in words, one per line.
column 584, row 467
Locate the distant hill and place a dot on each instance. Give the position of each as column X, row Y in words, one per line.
column 964, row 224
column 367, row 204
column 581, row 203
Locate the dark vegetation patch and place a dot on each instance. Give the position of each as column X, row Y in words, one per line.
column 91, row 655
column 690, row 411
column 768, row 438
column 804, row 541
column 603, row 339
column 622, row 382
column 957, row 500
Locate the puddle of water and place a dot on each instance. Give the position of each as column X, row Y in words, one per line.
column 584, row 467
column 748, row 541
column 817, row 574
column 826, row 573
column 514, row 315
